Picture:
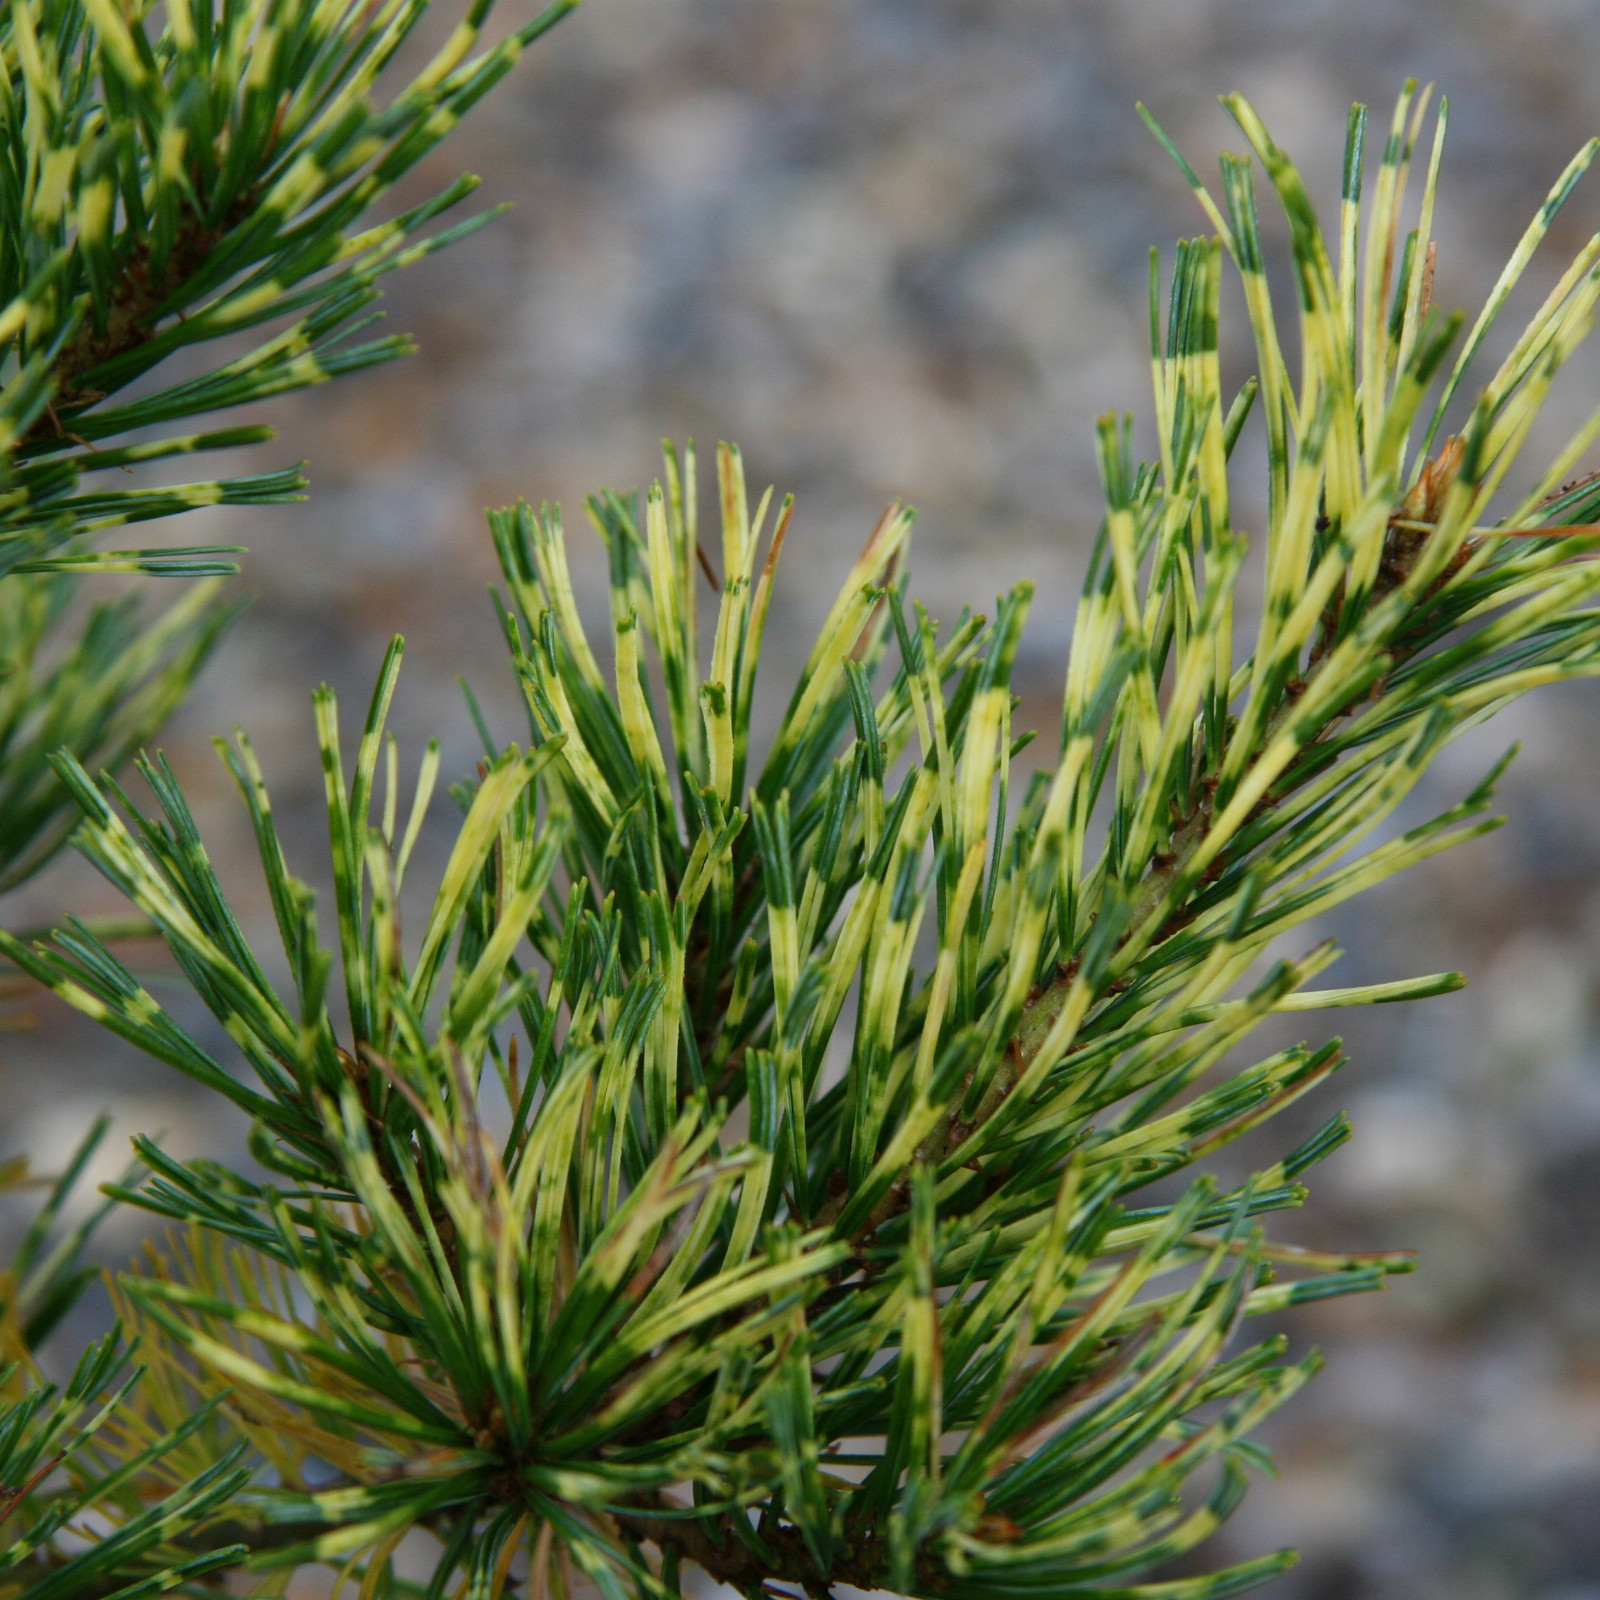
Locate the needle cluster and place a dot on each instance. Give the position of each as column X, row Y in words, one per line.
column 790, row 1157
column 171, row 176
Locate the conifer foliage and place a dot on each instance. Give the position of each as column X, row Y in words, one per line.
column 171, row 176
column 788, row 1158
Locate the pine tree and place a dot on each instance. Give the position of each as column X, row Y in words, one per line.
column 791, row 1162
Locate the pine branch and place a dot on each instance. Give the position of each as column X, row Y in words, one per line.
column 897, row 1297
column 169, row 176
column 228, row 187
column 172, row 176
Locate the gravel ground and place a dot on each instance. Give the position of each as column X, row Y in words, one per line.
column 898, row 248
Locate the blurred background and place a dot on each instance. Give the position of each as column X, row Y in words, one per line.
column 899, row 248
